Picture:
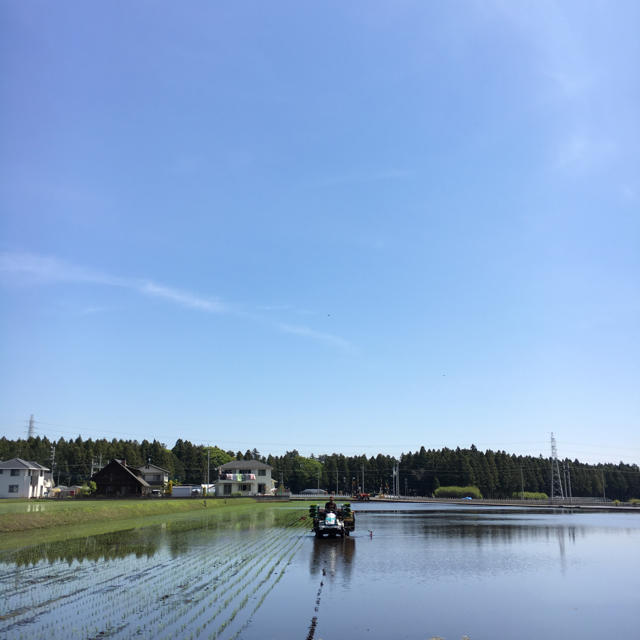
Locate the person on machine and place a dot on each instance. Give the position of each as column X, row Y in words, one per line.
column 331, row 506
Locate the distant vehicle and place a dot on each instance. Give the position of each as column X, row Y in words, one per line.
column 361, row 497
column 313, row 492
column 467, row 498
column 156, row 493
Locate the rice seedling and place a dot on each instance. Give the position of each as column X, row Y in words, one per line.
column 190, row 575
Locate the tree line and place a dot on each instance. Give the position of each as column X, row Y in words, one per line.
column 497, row 474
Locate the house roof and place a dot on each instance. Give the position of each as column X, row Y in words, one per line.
column 19, row 463
column 245, row 464
column 148, row 467
column 129, row 470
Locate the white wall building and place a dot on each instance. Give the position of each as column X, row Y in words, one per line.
column 244, row 477
column 22, row 479
column 154, row 475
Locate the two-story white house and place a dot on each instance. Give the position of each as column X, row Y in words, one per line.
column 245, row 477
column 22, row 479
column 154, row 475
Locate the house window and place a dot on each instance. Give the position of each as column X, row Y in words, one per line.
column 15, row 472
column 41, row 474
column 1, row 471
column 262, row 472
column 246, row 487
column 13, row 488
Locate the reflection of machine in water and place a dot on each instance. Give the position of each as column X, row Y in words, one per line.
column 333, row 557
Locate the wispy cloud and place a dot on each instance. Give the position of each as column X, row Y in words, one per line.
column 286, row 307
column 582, row 73
column 581, row 152
column 89, row 311
column 307, row 332
column 629, row 193
column 27, row 268
column 46, row 269
column 184, row 298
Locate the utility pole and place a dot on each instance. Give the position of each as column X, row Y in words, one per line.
column 521, row 484
column 396, row 479
column 336, row 480
column 208, row 469
column 53, row 459
column 318, row 480
column 31, row 431
column 604, row 495
column 363, row 478
column 567, row 481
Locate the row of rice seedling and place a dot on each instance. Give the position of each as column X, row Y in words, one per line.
column 259, row 553
column 57, row 587
column 249, row 615
column 174, row 614
column 238, row 599
column 142, row 595
column 54, row 588
column 137, row 594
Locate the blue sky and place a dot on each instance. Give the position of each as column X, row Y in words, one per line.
column 353, row 227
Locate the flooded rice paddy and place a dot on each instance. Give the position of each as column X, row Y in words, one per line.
column 409, row 571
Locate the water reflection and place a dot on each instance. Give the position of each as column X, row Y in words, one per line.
column 464, row 572
column 333, row 557
column 484, row 533
column 178, row 535
column 109, row 546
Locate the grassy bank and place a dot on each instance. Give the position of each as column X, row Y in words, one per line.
column 25, row 516
column 33, row 522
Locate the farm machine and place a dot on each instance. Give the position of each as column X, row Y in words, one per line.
column 329, row 523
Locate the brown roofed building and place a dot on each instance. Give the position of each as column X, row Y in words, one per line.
column 117, row 479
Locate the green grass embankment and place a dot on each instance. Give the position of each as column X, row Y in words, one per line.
column 18, row 516
column 32, row 522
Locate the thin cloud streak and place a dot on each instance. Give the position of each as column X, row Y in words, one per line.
column 306, row 332
column 26, row 268
column 183, row 298
column 45, row 269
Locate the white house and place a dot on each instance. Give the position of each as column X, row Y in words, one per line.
column 154, row 475
column 245, row 477
column 22, row 479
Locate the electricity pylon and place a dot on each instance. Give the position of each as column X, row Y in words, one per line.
column 556, row 478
